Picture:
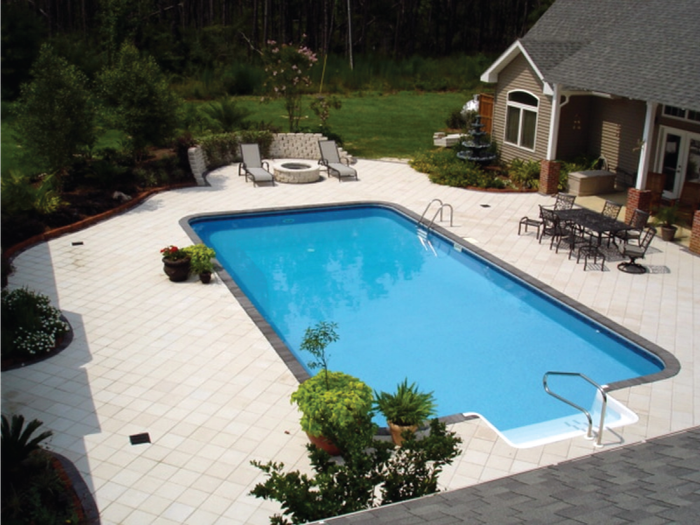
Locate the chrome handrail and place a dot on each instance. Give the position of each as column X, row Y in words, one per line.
column 589, row 434
column 442, row 207
column 428, row 207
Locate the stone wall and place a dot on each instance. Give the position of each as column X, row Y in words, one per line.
column 284, row 146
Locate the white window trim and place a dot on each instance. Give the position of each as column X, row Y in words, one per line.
column 521, row 107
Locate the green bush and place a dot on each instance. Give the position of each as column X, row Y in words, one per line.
column 21, row 193
column 525, row 173
column 224, row 116
column 30, row 325
column 371, row 474
column 139, row 100
column 55, row 115
column 443, row 167
column 222, row 149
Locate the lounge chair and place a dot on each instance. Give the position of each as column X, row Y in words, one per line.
column 330, row 158
column 634, row 252
column 253, row 166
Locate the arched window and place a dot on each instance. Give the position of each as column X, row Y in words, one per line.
column 521, row 119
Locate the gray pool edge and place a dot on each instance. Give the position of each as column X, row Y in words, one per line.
column 671, row 364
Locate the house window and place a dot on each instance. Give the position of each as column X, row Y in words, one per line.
column 521, row 119
column 685, row 114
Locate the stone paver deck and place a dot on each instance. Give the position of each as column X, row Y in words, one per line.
column 183, row 361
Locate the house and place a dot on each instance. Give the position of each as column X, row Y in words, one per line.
column 619, row 79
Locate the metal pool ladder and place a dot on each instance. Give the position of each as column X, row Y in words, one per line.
column 439, row 211
column 604, row 404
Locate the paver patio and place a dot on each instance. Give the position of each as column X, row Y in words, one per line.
column 183, row 362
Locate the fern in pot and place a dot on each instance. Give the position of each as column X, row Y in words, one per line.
column 405, row 409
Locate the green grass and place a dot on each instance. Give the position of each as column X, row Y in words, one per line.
column 375, row 125
column 372, row 125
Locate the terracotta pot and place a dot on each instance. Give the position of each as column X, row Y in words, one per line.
column 668, row 233
column 397, row 430
column 324, row 444
column 205, row 277
column 177, row 270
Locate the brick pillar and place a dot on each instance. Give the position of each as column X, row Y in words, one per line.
column 637, row 199
column 549, row 177
column 695, row 233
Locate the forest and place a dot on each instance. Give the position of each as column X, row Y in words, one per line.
column 189, row 37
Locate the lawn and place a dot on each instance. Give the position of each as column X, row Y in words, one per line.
column 375, row 125
column 372, row 125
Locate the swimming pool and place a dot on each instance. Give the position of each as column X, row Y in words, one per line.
column 441, row 313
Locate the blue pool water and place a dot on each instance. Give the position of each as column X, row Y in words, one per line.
column 480, row 338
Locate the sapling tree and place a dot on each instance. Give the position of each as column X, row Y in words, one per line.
column 315, row 341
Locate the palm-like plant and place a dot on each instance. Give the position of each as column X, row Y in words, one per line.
column 17, row 441
column 226, row 115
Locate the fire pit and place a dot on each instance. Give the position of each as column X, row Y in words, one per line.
column 294, row 171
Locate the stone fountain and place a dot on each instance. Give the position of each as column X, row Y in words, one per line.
column 476, row 148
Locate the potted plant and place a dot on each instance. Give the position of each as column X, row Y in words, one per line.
column 329, row 401
column 176, row 263
column 201, row 261
column 405, row 409
column 666, row 217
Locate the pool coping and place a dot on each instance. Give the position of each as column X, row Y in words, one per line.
column 671, row 364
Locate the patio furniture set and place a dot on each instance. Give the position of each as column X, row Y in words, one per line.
column 585, row 231
column 292, row 170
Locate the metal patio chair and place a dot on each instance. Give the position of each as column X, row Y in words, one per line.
column 634, row 252
column 638, row 222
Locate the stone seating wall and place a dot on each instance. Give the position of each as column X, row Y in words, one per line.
column 284, row 146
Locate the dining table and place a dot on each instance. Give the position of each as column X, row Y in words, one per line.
column 592, row 222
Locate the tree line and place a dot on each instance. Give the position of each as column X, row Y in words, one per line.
column 396, row 28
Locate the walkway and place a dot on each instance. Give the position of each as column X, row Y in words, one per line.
column 185, row 364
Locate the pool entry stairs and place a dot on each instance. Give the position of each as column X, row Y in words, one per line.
column 605, row 410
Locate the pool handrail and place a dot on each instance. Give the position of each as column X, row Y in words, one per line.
column 442, row 206
column 589, row 434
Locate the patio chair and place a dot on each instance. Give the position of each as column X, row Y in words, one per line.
column 330, row 158
column 253, row 166
column 552, row 226
column 638, row 222
column 634, row 252
column 564, row 201
column 611, row 209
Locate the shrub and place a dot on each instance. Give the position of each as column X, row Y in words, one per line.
column 55, row 115
column 221, row 149
column 30, row 325
column 371, row 474
column 21, row 193
column 525, row 173
column 17, row 441
column 225, row 116
column 139, row 99
column 407, row 406
column 443, row 167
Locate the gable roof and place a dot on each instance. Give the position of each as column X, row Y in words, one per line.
column 639, row 49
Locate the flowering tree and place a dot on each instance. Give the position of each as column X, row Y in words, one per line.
column 287, row 69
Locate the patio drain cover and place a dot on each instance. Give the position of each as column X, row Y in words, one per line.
column 79, row 243
column 139, row 439
column 485, row 205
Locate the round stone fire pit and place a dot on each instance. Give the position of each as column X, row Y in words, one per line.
column 294, row 171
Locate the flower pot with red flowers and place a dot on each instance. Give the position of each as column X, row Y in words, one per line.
column 176, row 263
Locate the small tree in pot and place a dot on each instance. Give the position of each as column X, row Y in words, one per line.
column 329, row 400
column 406, row 409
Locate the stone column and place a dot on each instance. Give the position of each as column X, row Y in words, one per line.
column 549, row 177
column 637, row 199
column 695, row 233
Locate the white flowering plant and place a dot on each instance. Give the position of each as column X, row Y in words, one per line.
column 30, row 325
column 287, row 68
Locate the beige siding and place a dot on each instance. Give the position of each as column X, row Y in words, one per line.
column 616, row 131
column 519, row 75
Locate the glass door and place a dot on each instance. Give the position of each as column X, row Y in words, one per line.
column 679, row 159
